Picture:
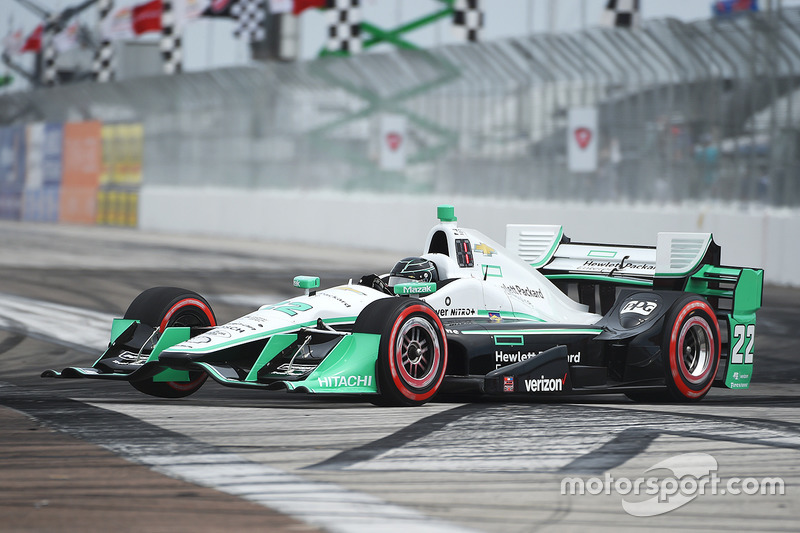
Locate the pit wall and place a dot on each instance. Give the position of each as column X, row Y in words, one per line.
column 754, row 237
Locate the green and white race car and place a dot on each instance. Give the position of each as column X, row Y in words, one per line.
column 540, row 316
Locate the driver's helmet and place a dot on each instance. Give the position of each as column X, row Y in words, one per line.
column 413, row 269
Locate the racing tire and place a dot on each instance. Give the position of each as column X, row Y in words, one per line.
column 163, row 307
column 412, row 355
column 691, row 349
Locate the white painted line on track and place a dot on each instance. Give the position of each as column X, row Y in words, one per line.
column 325, row 505
column 321, row 504
column 78, row 328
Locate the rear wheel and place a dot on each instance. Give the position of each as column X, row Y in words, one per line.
column 691, row 352
column 163, row 307
column 412, row 356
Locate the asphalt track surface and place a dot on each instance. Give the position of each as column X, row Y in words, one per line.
column 81, row 455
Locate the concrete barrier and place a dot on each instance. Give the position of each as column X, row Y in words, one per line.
column 755, row 237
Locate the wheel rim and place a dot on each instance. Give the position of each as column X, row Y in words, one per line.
column 417, row 352
column 186, row 313
column 694, row 349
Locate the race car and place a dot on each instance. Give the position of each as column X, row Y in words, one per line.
column 541, row 316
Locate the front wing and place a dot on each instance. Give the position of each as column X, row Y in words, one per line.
column 346, row 366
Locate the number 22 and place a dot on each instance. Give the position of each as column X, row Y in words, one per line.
column 743, row 334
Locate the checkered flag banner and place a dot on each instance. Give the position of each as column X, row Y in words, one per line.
column 171, row 50
column 344, row 26
column 467, row 20
column 103, row 65
column 49, row 55
column 250, row 15
column 621, row 14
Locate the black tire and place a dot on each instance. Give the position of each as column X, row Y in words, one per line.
column 162, row 307
column 690, row 351
column 412, row 356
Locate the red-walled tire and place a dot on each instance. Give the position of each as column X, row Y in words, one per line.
column 691, row 348
column 412, row 356
column 162, row 307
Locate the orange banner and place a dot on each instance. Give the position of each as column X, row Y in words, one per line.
column 82, row 165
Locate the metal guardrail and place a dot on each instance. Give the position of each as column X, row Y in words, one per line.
column 707, row 110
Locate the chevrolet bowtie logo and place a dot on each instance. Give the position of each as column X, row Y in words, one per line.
column 485, row 249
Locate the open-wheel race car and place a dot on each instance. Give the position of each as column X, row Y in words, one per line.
column 540, row 316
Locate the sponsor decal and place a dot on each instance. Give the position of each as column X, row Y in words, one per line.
column 504, row 358
column 543, row 384
column 574, row 358
column 239, row 327
column 641, row 307
column 485, row 249
column 219, row 333
column 495, row 317
column 294, row 369
column 340, row 300
column 126, row 357
column 345, row 381
column 604, row 266
column 508, row 383
column 414, row 288
column 457, row 311
column 523, row 291
column 740, row 380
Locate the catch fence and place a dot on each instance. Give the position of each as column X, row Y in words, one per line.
column 706, row 110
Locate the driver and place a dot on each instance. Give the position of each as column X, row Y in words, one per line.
column 406, row 270
column 413, row 269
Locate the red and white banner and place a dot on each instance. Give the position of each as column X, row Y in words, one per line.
column 118, row 24
column 130, row 21
column 294, row 7
column 16, row 43
column 146, row 17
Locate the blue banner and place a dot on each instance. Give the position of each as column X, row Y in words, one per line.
column 52, row 154
column 732, row 7
column 12, row 171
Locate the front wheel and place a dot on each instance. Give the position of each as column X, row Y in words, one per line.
column 163, row 307
column 412, row 356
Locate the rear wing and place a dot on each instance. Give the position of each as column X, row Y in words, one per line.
column 675, row 256
column 592, row 273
